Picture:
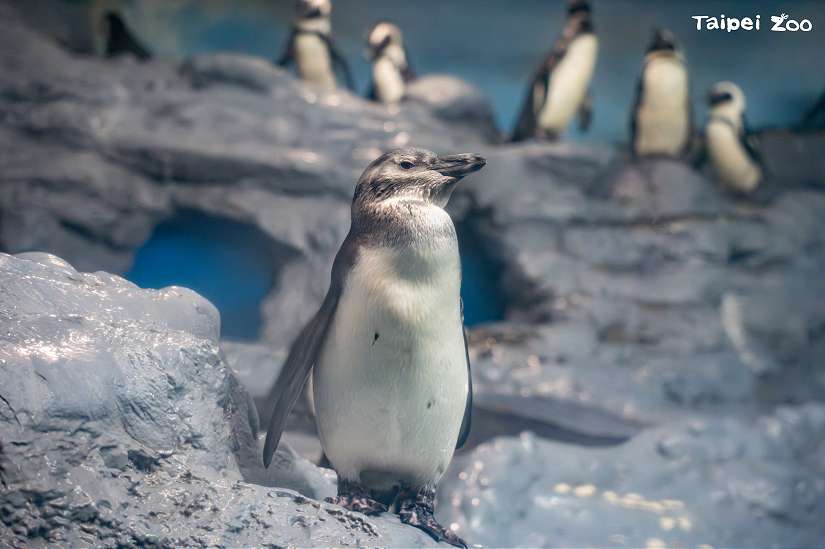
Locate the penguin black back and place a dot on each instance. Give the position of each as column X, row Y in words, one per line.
column 120, row 40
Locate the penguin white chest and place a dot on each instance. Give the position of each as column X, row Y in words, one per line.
column 731, row 161
column 391, row 383
column 663, row 116
column 313, row 61
column 389, row 84
column 567, row 84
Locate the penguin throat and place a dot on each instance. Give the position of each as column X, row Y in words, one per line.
column 395, row 54
column 316, row 24
column 730, row 117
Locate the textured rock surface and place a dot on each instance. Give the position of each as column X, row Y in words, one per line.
column 650, row 272
column 719, row 482
column 121, row 424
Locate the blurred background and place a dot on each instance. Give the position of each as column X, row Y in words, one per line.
column 491, row 45
column 496, row 46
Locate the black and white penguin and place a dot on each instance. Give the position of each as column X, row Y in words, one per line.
column 662, row 117
column 732, row 154
column 312, row 50
column 559, row 89
column 118, row 39
column 391, row 71
column 387, row 350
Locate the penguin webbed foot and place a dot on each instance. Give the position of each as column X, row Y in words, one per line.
column 418, row 510
column 356, row 497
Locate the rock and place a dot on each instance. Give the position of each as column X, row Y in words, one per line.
column 716, row 482
column 456, row 102
column 120, row 423
column 793, row 158
column 647, row 271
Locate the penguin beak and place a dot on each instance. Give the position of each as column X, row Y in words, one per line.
column 458, row 165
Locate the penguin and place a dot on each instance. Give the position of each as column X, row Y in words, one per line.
column 119, row 39
column 311, row 49
column 391, row 71
column 661, row 122
column 387, row 349
column 732, row 155
column 560, row 87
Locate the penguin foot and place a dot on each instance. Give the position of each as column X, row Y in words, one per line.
column 419, row 511
column 356, row 497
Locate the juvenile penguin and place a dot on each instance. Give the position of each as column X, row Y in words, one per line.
column 731, row 153
column 390, row 68
column 662, row 118
column 560, row 88
column 311, row 49
column 387, row 350
column 119, row 40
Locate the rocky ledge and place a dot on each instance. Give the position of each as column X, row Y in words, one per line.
column 120, row 424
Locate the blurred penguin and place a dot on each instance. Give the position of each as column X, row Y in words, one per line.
column 391, row 70
column 732, row 155
column 662, row 117
column 118, row 39
column 311, row 49
column 560, row 86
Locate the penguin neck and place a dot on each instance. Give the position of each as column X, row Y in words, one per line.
column 316, row 24
column 394, row 53
column 671, row 55
column 413, row 224
column 576, row 26
column 730, row 114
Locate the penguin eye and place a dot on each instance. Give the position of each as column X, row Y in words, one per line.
column 407, row 165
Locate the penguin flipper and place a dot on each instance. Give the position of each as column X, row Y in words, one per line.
column 751, row 142
column 586, row 112
column 408, row 73
column 288, row 56
column 339, row 63
column 464, row 432
column 637, row 102
column 304, row 352
column 526, row 125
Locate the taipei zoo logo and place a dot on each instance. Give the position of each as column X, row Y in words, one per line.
column 779, row 23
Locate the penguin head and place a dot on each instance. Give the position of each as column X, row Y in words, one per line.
column 578, row 6
column 413, row 174
column 313, row 9
column 382, row 35
column 663, row 41
column 726, row 95
column 579, row 18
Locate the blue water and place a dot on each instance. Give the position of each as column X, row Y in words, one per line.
column 496, row 44
column 480, row 277
column 228, row 263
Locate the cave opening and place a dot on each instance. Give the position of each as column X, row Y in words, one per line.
column 232, row 264
column 480, row 279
